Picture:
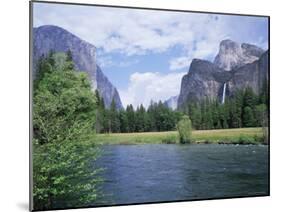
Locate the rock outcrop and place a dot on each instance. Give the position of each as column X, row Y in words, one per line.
column 235, row 67
column 49, row 37
column 106, row 90
column 252, row 75
column 233, row 55
column 204, row 80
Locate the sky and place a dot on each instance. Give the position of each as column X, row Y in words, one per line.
column 145, row 53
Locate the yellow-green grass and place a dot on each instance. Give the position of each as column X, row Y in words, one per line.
column 198, row 136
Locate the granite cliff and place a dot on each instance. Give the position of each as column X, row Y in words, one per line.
column 235, row 67
column 49, row 37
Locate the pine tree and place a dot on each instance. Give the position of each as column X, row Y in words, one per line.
column 260, row 112
column 131, row 118
column 250, row 99
column 101, row 125
column 114, row 123
column 248, row 117
column 123, row 119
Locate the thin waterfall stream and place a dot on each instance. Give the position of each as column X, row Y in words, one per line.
column 223, row 93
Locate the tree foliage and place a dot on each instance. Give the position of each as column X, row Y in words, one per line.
column 184, row 128
column 64, row 109
column 243, row 109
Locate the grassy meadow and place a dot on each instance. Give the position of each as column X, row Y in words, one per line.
column 235, row 136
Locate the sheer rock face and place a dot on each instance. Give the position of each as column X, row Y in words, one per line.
column 106, row 90
column 206, row 79
column 251, row 75
column 233, row 55
column 48, row 37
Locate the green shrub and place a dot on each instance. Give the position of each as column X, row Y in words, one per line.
column 184, row 128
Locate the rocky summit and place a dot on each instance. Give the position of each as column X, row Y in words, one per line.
column 49, row 37
column 233, row 55
column 235, row 67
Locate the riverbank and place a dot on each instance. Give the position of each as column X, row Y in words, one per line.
column 222, row 136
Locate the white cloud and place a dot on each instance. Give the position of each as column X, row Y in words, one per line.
column 144, row 87
column 104, row 61
column 179, row 63
column 129, row 31
column 108, row 61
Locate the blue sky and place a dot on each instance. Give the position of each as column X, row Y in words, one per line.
column 145, row 53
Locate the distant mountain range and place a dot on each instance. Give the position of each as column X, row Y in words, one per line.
column 235, row 67
column 49, row 37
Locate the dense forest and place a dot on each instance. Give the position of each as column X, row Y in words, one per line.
column 243, row 109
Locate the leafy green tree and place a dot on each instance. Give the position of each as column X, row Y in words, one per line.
column 184, row 128
column 64, row 174
column 64, row 110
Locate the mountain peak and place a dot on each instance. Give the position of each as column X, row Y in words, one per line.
column 250, row 49
column 50, row 27
column 228, row 45
column 232, row 55
column 203, row 66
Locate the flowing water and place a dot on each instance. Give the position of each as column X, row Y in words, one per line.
column 223, row 93
column 153, row 173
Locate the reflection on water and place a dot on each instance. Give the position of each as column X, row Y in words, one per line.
column 153, row 173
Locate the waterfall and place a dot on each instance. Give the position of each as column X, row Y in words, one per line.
column 223, row 93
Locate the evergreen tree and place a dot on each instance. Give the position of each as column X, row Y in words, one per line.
column 237, row 109
column 131, row 118
column 260, row 112
column 250, row 98
column 140, row 119
column 248, row 117
column 124, row 126
column 101, row 125
column 151, row 111
column 114, row 123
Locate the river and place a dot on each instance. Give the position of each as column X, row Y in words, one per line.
column 165, row 172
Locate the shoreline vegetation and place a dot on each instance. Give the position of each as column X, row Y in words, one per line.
column 217, row 136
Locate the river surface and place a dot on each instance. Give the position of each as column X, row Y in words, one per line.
column 165, row 172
